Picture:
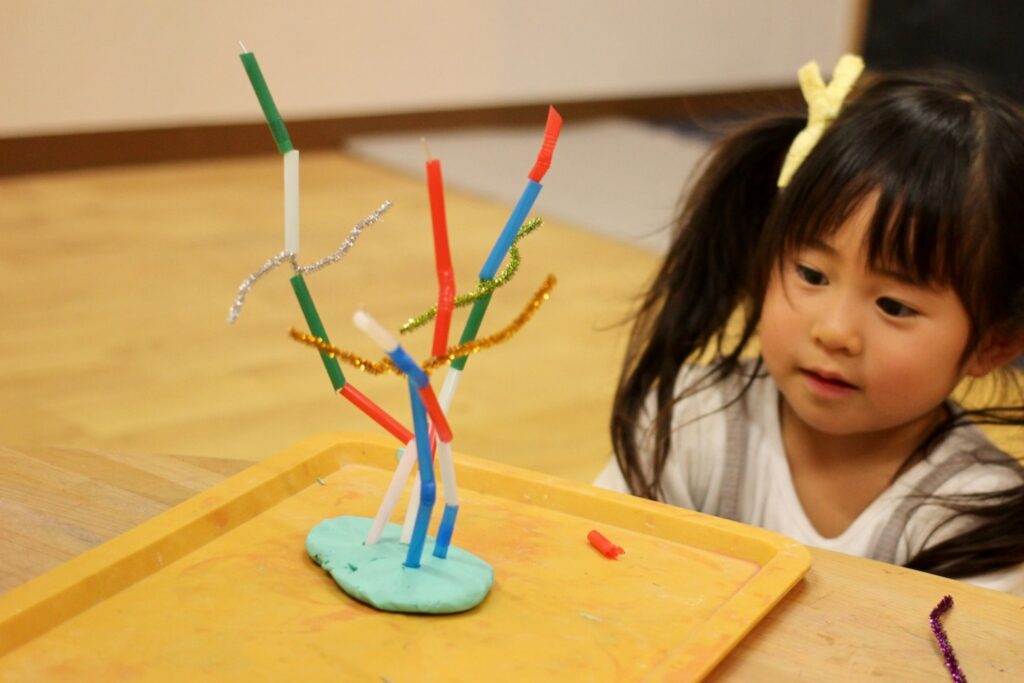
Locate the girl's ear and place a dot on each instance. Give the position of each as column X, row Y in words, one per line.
column 993, row 353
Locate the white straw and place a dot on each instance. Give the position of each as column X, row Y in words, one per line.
column 387, row 505
column 447, row 466
column 375, row 331
column 451, row 383
column 291, row 201
column 444, row 450
column 410, row 512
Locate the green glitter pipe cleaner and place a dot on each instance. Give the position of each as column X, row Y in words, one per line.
column 483, row 287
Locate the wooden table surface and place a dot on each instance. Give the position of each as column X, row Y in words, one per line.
column 114, row 349
column 56, row 503
column 116, row 284
column 848, row 620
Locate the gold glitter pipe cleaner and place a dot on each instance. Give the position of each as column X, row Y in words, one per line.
column 385, row 365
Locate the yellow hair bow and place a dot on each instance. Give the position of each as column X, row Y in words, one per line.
column 823, row 104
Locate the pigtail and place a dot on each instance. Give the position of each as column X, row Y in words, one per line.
column 706, row 276
column 993, row 538
column 995, row 542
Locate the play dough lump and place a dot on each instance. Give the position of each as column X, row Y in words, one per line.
column 375, row 574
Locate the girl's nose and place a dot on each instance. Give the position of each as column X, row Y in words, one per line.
column 837, row 331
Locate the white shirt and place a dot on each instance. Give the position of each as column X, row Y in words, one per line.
column 745, row 476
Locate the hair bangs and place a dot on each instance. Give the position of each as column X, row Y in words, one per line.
column 914, row 240
column 917, row 221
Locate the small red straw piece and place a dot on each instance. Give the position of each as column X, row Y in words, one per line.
column 603, row 545
column 547, row 148
column 375, row 413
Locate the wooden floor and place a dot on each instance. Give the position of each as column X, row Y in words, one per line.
column 56, row 503
column 115, row 285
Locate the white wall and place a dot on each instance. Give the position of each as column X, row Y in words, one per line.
column 87, row 65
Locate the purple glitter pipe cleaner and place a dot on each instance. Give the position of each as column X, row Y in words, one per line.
column 940, row 635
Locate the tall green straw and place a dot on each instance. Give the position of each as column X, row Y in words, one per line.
column 317, row 328
column 259, row 85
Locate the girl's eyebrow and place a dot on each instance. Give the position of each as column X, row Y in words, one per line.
column 904, row 279
column 897, row 275
column 818, row 245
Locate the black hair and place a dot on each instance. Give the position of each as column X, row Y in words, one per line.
column 943, row 160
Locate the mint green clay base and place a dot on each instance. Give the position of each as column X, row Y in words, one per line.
column 375, row 574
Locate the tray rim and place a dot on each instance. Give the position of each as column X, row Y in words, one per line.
column 30, row 610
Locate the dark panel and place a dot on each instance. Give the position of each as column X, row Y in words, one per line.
column 982, row 37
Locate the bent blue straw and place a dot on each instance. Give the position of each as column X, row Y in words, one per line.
column 444, row 533
column 508, row 233
column 428, row 488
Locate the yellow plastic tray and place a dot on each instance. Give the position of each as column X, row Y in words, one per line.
column 220, row 587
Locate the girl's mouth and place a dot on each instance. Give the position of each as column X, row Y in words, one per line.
column 827, row 384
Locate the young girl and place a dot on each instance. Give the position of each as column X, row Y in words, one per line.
column 881, row 268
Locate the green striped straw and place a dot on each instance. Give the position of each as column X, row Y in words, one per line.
column 331, row 365
column 259, row 85
column 469, row 332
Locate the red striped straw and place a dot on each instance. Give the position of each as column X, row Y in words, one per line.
column 442, row 256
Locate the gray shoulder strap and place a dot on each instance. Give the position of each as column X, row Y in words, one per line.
column 735, row 460
column 887, row 544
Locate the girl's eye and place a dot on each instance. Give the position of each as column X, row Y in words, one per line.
column 895, row 308
column 810, row 275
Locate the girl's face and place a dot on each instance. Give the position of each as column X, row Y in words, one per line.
column 856, row 350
